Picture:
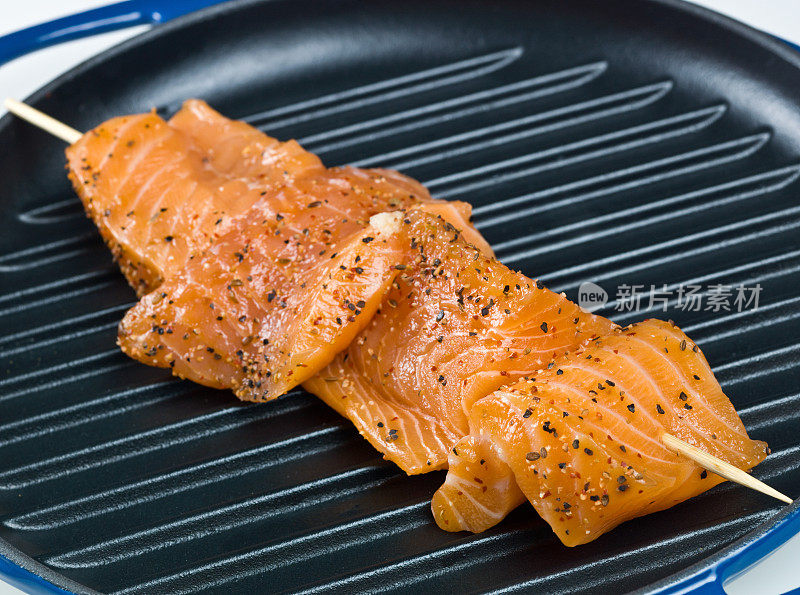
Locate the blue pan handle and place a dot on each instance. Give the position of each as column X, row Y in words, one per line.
column 99, row 20
column 129, row 13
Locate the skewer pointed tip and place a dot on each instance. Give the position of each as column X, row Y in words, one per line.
column 721, row 468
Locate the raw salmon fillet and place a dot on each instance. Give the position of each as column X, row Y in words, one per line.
column 455, row 326
column 159, row 191
column 581, row 439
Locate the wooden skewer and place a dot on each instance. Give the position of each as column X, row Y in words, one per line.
column 42, row 120
column 720, row 467
column 702, row 458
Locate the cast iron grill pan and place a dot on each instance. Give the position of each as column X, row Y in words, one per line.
column 622, row 142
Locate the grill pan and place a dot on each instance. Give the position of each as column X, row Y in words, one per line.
column 623, row 142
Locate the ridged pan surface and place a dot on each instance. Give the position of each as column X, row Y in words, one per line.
column 623, row 143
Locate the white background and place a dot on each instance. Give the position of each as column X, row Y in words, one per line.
column 778, row 573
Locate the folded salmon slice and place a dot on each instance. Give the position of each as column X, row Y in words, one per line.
column 455, row 326
column 159, row 191
column 581, row 439
column 270, row 303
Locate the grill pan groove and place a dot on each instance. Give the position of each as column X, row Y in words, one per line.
column 591, row 71
column 441, row 76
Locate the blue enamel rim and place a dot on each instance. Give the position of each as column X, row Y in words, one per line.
column 119, row 15
column 25, row 580
column 704, row 578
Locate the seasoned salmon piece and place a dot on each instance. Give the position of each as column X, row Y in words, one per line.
column 455, row 326
column 158, row 197
column 581, row 439
column 268, row 305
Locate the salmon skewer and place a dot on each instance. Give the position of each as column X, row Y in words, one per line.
column 424, row 355
column 581, row 440
column 455, row 326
